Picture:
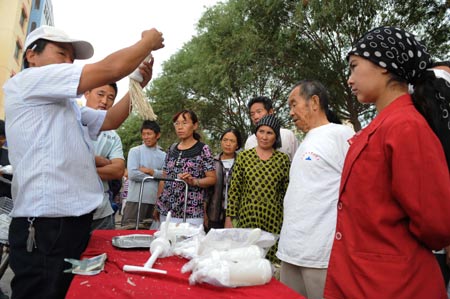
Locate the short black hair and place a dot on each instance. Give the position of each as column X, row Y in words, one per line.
column 38, row 47
column 114, row 86
column 150, row 125
column 267, row 102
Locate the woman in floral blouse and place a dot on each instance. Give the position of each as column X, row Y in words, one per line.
column 191, row 161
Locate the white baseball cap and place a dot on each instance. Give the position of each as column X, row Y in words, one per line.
column 82, row 49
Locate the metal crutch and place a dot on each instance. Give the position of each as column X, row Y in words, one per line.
column 141, row 191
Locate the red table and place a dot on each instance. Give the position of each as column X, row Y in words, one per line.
column 114, row 283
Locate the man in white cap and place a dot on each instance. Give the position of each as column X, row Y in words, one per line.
column 55, row 186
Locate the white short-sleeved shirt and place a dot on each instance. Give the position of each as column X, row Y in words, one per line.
column 289, row 142
column 310, row 203
column 107, row 145
column 50, row 146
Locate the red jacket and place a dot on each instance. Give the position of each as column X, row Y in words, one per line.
column 394, row 207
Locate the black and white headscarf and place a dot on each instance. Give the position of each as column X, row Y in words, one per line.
column 272, row 121
column 403, row 55
column 395, row 50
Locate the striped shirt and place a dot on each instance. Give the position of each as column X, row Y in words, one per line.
column 50, row 146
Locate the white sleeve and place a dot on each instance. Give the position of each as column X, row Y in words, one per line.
column 289, row 142
column 294, row 144
column 251, row 142
column 51, row 83
column 93, row 120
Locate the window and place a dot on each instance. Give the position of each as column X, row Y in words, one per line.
column 33, row 26
column 18, row 51
column 37, row 4
column 23, row 18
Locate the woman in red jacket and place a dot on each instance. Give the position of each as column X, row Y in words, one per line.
column 394, row 202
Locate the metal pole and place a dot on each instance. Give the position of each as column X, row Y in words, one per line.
column 185, row 199
column 141, row 191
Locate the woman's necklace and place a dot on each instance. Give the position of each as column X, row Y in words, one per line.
column 178, row 162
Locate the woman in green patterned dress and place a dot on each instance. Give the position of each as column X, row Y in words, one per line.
column 259, row 182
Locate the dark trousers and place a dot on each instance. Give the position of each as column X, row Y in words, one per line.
column 130, row 212
column 442, row 260
column 39, row 274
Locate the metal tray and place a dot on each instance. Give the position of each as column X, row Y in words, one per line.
column 133, row 241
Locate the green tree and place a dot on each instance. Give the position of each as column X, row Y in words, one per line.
column 332, row 27
column 130, row 133
column 263, row 47
column 232, row 59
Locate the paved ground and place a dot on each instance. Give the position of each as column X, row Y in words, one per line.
column 5, row 282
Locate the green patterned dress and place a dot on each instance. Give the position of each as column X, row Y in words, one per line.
column 257, row 191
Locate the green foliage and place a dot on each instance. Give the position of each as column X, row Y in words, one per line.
column 263, row 47
column 235, row 57
column 429, row 19
column 130, row 134
column 333, row 26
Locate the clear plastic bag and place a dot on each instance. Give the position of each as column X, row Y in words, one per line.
column 225, row 239
column 225, row 273
column 177, row 232
column 231, row 258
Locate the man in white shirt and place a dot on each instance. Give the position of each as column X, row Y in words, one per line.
column 109, row 158
column 310, row 203
column 55, row 185
column 260, row 107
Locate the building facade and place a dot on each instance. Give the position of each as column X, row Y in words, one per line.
column 41, row 14
column 17, row 18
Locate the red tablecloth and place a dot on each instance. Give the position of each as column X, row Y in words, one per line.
column 114, row 283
